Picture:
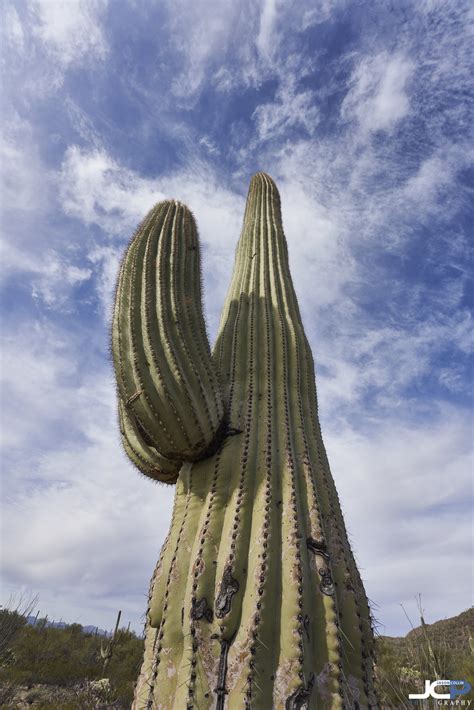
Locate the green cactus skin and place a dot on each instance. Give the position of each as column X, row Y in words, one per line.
column 170, row 402
column 256, row 601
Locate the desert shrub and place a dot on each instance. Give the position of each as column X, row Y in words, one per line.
column 7, row 693
column 68, row 657
column 426, row 653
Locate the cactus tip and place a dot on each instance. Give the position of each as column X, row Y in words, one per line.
column 261, row 177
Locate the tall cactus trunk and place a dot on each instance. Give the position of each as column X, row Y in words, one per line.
column 256, row 601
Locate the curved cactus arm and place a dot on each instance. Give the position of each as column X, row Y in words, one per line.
column 141, row 452
column 161, row 354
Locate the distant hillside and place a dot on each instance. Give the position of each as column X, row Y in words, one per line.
column 33, row 620
column 438, row 651
column 453, row 633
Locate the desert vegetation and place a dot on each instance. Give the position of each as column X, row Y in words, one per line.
column 44, row 667
column 47, row 666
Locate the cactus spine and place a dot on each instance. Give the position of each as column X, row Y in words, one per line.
column 256, row 600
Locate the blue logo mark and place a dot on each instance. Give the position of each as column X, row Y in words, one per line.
column 458, row 687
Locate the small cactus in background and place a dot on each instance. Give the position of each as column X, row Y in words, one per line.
column 107, row 650
column 256, row 600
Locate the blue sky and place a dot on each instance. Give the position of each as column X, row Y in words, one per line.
column 361, row 112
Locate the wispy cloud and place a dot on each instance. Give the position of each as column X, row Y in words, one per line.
column 23, row 185
column 13, row 29
column 78, row 492
column 96, row 189
column 416, row 540
column 385, row 364
column 209, row 30
column 72, row 30
column 378, row 96
column 52, row 279
column 291, row 107
column 265, row 36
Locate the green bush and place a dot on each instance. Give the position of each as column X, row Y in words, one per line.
column 426, row 653
column 68, row 656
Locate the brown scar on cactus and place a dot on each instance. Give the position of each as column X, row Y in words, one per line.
column 229, row 587
column 256, row 601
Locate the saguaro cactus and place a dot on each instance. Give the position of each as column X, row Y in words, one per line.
column 256, row 601
column 107, row 649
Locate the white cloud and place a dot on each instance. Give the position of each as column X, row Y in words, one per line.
column 378, row 98
column 319, row 12
column 42, row 39
column 210, row 29
column 382, row 363
column 106, row 261
column 291, row 108
column 35, row 359
column 231, row 44
column 405, row 489
column 56, row 282
column 432, row 193
column 83, row 522
column 51, row 276
column 429, row 191
column 71, row 30
column 317, row 251
column 23, row 186
column 12, row 28
column 264, row 40
column 357, row 359
column 97, row 190
column 210, row 146
column 372, row 197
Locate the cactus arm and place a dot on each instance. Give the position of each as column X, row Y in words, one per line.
column 227, row 516
column 143, row 402
column 162, row 359
column 145, row 457
column 173, row 296
column 157, row 307
column 107, row 651
column 251, row 563
column 295, row 664
column 220, row 515
column 193, row 335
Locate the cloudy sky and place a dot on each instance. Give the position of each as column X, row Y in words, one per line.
column 361, row 113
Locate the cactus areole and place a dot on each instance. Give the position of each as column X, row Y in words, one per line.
column 256, row 601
